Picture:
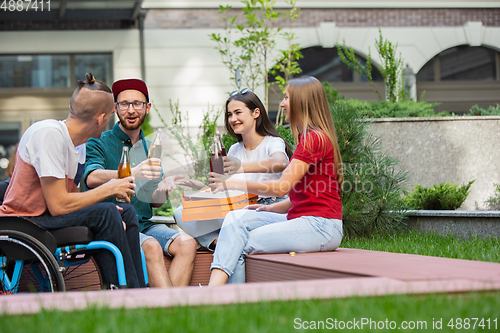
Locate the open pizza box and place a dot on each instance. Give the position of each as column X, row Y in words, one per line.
column 205, row 205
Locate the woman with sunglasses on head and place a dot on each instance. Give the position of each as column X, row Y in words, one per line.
column 310, row 220
column 259, row 155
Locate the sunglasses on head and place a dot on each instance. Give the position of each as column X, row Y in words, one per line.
column 236, row 92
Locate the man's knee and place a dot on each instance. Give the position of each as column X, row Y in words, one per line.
column 152, row 249
column 185, row 245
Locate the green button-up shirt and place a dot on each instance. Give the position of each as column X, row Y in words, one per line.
column 105, row 153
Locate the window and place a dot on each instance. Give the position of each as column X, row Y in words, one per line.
column 461, row 63
column 37, row 71
column 98, row 64
column 53, row 70
column 326, row 65
column 10, row 132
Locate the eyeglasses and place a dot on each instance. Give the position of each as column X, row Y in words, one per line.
column 123, row 106
column 236, row 92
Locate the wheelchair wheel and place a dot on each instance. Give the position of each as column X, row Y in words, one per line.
column 83, row 276
column 27, row 265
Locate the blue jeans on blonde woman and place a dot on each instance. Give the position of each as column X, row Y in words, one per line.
column 206, row 231
column 252, row 232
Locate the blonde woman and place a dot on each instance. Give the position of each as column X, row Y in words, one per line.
column 310, row 220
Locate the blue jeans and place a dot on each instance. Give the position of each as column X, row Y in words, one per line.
column 105, row 221
column 251, row 232
column 206, row 231
column 163, row 234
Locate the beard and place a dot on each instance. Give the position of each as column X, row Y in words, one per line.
column 128, row 126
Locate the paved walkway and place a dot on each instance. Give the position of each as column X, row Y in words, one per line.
column 384, row 274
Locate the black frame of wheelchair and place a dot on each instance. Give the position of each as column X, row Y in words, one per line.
column 47, row 253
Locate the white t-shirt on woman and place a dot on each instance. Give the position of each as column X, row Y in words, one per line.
column 264, row 150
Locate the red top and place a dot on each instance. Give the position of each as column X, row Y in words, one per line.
column 318, row 192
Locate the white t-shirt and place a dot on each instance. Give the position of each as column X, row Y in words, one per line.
column 45, row 150
column 47, row 146
column 264, row 150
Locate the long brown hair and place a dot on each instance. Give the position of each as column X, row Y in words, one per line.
column 263, row 125
column 309, row 111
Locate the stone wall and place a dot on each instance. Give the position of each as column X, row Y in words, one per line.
column 449, row 149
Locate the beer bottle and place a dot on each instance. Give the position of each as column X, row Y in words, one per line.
column 216, row 161
column 222, row 148
column 155, row 148
column 124, row 169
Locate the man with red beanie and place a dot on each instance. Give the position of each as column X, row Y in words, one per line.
column 103, row 156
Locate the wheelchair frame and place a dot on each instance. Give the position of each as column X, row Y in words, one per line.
column 25, row 243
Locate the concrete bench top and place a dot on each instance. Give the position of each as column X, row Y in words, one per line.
column 455, row 213
column 163, row 219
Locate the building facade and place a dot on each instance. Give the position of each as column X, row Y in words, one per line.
column 452, row 47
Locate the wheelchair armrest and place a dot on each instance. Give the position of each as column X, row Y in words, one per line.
column 72, row 235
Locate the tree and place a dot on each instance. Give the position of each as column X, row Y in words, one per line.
column 371, row 194
column 251, row 45
column 392, row 67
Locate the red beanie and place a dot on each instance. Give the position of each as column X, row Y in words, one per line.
column 127, row 84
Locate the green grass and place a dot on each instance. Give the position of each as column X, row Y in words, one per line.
column 285, row 316
column 268, row 316
column 430, row 244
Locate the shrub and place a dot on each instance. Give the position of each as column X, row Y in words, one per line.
column 165, row 210
column 385, row 109
column 372, row 186
column 493, row 202
column 444, row 196
column 490, row 111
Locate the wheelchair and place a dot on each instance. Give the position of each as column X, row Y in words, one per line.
column 34, row 259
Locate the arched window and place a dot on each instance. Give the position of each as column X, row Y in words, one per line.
column 326, row 65
column 462, row 63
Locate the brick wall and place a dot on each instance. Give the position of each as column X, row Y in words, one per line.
column 209, row 18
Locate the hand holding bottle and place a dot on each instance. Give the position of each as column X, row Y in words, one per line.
column 122, row 189
column 232, row 165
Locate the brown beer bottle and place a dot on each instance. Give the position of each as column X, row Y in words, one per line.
column 216, row 161
column 124, row 169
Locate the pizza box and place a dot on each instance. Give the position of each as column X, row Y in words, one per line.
column 199, row 206
column 193, row 199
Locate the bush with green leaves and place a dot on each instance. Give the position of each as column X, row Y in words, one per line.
column 386, row 109
column 372, row 186
column 165, row 210
column 493, row 202
column 490, row 111
column 444, row 196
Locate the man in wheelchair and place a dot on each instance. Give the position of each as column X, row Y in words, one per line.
column 43, row 185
